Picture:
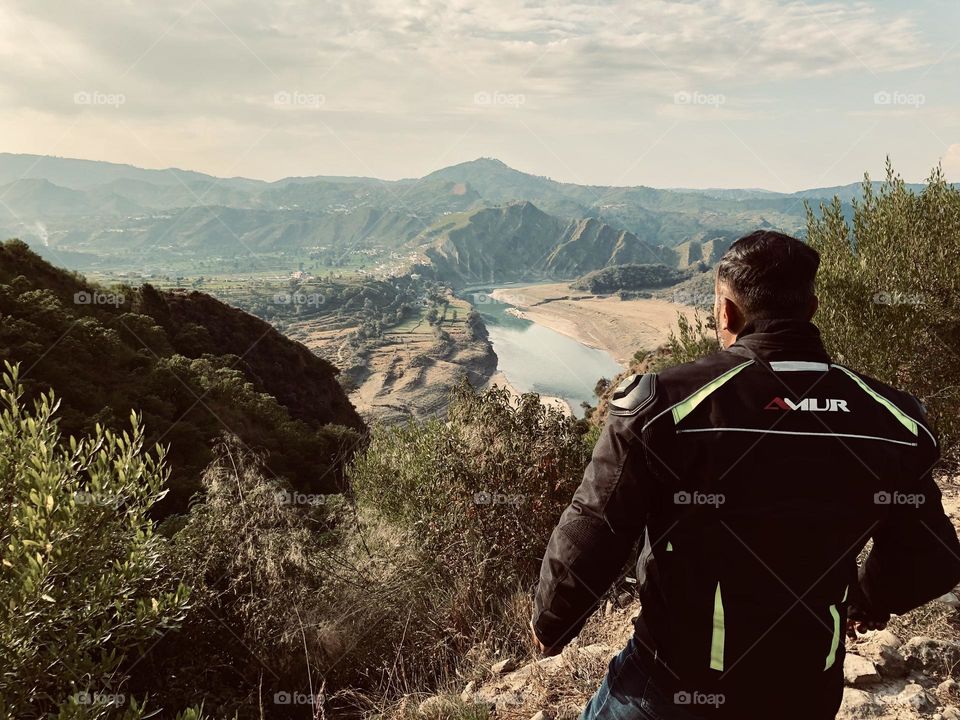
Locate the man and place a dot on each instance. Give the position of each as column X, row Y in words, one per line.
column 756, row 476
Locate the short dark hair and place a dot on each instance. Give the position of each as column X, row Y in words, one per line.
column 770, row 274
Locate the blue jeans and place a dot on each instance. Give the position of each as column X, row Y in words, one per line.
column 629, row 693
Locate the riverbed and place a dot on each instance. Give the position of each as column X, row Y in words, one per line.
column 536, row 358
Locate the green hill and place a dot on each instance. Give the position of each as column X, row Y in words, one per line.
column 519, row 241
column 628, row 278
column 194, row 367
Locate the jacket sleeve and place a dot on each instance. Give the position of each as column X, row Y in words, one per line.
column 594, row 536
column 916, row 554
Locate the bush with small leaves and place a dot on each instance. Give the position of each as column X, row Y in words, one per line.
column 477, row 496
column 81, row 597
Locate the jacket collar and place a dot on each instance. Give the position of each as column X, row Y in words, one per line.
column 780, row 339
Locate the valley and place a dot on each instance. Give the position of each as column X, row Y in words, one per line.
column 370, row 274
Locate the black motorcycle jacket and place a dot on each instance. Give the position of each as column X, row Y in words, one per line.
column 754, row 477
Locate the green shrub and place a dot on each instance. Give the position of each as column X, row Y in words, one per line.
column 290, row 600
column 889, row 288
column 81, row 597
column 693, row 340
column 477, row 495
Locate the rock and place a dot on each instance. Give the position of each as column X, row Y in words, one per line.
column 859, row 671
column 882, row 649
column 608, row 609
column 624, row 599
column 858, row 704
column 925, row 653
column 950, row 600
column 504, row 666
column 544, row 715
column 568, row 712
column 950, row 713
column 438, row 706
column 550, row 663
column 948, row 690
column 914, row 696
column 468, row 692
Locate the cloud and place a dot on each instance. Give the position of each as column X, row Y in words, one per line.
column 215, row 57
column 951, row 163
column 397, row 75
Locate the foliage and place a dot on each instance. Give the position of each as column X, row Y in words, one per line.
column 480, row 493
column 692, row 341
column 82, row 597
column 618, row 278
column 192, row 366
column 384, row 302
column 255, row 554
column 291, row 600
column 889, row 288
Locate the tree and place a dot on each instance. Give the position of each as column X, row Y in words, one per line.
column 603, row 384
column 889, row 288
column 81, row 597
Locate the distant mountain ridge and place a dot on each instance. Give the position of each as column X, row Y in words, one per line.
column 109, row 215
column 519, row 241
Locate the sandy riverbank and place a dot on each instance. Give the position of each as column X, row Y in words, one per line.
column 621, row 327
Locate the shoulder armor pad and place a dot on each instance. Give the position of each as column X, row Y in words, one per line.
column 633, row 394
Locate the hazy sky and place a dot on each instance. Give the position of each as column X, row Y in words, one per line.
column 780, row 94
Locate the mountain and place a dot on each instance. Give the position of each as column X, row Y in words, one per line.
column 84, row 174
column 193, row 366
column 660, row 217
column 847, row 192
column 702, row 250
column 108, row 216
column 519, row 241
column 37, row 197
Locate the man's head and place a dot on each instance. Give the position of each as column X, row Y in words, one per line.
column 764, row 275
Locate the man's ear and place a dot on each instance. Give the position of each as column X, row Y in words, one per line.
column 732, row 318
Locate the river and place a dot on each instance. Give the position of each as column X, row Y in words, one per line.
column 537, row 359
